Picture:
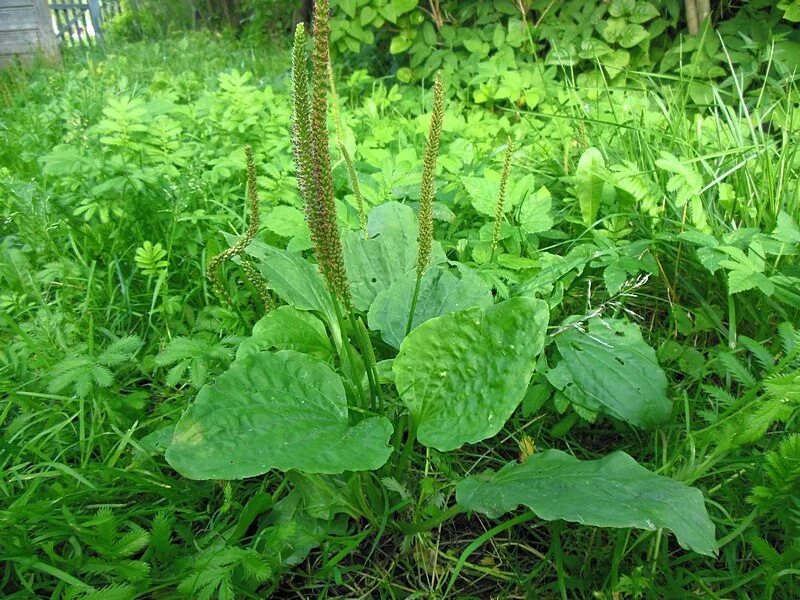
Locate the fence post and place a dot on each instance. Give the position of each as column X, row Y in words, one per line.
column 97, row 20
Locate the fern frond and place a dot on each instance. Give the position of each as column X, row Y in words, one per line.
column 737, row 370
column 113, row 592
column 120, row 351
column 761, row 354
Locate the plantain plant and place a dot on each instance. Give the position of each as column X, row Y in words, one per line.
column 335, row 403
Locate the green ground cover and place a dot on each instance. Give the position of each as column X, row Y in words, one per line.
column 648, row 231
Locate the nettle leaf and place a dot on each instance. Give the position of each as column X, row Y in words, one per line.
column 441, row 293
column 614, row 491
column 462, row 375
column 280, row 411
column 746, row 271
column 610, row 369
column 589, row 184
column 483, row 191
column 390, row 251
column 786, row 230
column 286, row 328
column 534, row 214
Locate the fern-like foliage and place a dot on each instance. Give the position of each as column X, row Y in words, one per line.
column 778, row 495
column 83, row 371
column 218, row 571
column 202, row 356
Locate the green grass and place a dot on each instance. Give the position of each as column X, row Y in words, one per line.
column 146, row 144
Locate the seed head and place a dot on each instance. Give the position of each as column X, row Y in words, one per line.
column 427, row 187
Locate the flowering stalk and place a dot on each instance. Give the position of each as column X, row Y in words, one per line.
column 351, row 171
column 427, row 193
column 214, row 265
column 320, row 204
column 499, row 210
column 301, row 114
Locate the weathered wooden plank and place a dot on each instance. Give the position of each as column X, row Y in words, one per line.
column 26, row 31
column 47, row 37
column 19, row 42
column 15, row 3
column 18, row 18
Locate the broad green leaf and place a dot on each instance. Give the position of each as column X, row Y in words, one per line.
column 400, row 43
column 286, row 221
column 643, row 12
column 375, row 263
column 614, row 491
column 498, row 36
column 534, row 214
column 786, row 229
column 610, row 369
column 612, row 29
column 280, row 411
column 483, row 191
column 589, row 184
column 286, row 328
column 440, row 293
column 462, row 375
column 403, row 6
column 293, row 278
column 632, row 35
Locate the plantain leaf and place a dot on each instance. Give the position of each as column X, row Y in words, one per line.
column 389, row 251
column 463, row 374
column 280, row 411
column 294, row 279
column 440, row 293
column 286, row 328
column 589, row 184
column 610, row 369
column 614, row 491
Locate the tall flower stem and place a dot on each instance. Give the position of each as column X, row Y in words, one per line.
column 427, row 193
column 499, row 210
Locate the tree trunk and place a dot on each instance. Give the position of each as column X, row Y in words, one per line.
column 691, row 16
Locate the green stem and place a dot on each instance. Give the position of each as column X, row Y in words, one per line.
column 485, row 537
column 374, row 393
column 424, row 526
column 408, row 447
column 344, row 349
column 414, row 299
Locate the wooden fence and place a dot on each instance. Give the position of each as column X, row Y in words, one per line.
column 81, row 23
column 26, row 29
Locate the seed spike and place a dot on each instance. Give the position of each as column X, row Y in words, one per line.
column 428, row 185
column 499, row 210
column 320, row 204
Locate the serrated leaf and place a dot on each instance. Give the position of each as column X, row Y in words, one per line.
column 611, row 370
column 786, row 229
column 534, row 213
column 463, row 375
column 120, row 350
column 613, row 491
column 280, row 411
